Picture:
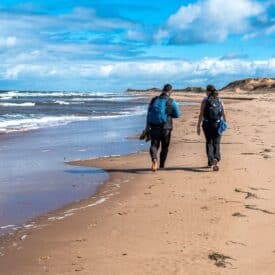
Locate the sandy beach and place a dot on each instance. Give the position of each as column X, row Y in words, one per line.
column 184, row 219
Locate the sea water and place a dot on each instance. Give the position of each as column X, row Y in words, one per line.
column 40, row 131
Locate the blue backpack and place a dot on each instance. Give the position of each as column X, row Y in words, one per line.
column 157, row 114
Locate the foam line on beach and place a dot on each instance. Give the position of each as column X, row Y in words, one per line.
column 24, row 237
column 30, row 225
column 70, row 212
column 100, row 201
column 55, row 218
column 7, row 226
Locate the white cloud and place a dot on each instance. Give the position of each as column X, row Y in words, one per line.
column 161, row 35
column 185, row 16
column 136, row 35
column 9, row 41
column 37, row 71
column 106, row 70
column 142, row 72
column 270, row 29
column 212, row 20
column 249, row 36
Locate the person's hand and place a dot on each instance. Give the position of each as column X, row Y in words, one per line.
column 198, row 130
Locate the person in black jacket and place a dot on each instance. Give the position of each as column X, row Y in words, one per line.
column 211, row 113
column 161, row 133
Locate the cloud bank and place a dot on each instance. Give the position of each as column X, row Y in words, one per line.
column 212, row 21
column 119, row 75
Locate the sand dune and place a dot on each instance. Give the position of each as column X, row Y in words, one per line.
column 251, row 85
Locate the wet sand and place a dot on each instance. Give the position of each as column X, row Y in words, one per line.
column 185, row 219
column 34, row 178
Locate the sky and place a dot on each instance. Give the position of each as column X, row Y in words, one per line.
column 112, row 45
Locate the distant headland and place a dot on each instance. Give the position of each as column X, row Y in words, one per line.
column 248, row 85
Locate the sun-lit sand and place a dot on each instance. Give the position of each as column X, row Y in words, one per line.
column 185, row 219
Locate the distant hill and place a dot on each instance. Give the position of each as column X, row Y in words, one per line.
column 188, row 89
column 251, row 85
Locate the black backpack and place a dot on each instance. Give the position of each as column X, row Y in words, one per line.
column 213, row 109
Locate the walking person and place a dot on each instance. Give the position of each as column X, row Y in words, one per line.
column 212, row 116
column 162, row 109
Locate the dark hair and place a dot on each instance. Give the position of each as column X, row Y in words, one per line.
column 167, row 88
column 212, row 90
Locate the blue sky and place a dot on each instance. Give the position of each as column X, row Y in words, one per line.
column 110, row 45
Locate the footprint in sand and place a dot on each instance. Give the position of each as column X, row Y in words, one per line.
column 78, row 269
column 78, row 265
column 81, row 240
column 172, row 212
column 258, row 188
column 220, row 259
column 44, row 258
column 235, row 243
column 239, row 215
column 92, row 225
column 248, row 153
column 248, row 194
column 266, row 156
column 254, row 207
column 122, row 213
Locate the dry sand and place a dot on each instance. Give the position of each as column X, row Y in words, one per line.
column 185, row 219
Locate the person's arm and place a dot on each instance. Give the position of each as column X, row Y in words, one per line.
column 223, row 112
column 175, row 110
column 200, row 117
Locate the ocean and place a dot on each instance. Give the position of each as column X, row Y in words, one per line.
column 40, row 131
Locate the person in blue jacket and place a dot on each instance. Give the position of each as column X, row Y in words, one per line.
column 161, row 112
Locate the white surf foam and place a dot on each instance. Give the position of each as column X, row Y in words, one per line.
column 60, row 102
column 106, row 98
column 36, row 123
column 7, row 226
column 15, row 123
column 16, row 94
column 26, row 104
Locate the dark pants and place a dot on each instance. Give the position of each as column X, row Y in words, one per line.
column 160, row 136
column 213, row 140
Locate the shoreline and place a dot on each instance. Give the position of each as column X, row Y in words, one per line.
column 9, row 227
column 42, row 219
column 119, row 190
column 42, row 181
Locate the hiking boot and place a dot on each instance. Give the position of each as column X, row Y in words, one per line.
column 154, row 166
column 215, row 165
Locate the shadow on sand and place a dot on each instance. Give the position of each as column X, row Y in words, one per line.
column 203, row 169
